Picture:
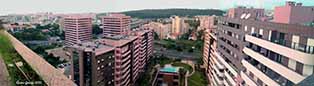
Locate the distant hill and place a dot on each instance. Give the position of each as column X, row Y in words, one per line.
column 166, row 13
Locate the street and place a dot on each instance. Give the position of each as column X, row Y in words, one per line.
column 158, row 50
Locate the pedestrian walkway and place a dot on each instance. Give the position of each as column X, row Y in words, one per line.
column 4, row 74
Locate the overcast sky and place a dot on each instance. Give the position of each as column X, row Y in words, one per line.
column 78, row 6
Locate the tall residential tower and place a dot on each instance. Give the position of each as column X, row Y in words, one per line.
column 112, row 61
column 251, row 52
column 78, row 28
column 115, row 24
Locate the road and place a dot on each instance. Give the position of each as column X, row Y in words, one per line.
column 175, row 54
column 4, row 74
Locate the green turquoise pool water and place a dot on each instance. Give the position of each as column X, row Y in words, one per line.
column 170, row 69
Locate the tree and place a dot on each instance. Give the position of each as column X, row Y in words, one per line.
column 166, row 13
column 156, row 37
column 96, row 29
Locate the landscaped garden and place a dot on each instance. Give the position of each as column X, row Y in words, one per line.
column 183, row 65
column 197, row 79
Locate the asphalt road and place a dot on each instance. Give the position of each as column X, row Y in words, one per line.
column 175, row 54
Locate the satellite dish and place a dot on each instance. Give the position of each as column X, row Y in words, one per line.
column 247, row 16
column 243, row 15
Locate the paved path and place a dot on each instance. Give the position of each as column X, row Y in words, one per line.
column 4, row 74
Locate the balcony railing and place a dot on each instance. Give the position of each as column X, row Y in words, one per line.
column 269, row 72
column 293, row 45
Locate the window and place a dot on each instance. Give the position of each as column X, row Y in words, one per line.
column 98, row 61
column 245, row 28
column 252, row 30
column 299, row 68
column 261, row 31
column 237, row 36
column 259, row 82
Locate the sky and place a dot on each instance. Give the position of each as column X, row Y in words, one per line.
column 98, row 6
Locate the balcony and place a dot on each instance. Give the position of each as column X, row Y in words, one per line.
column 276, row 67
column 226, row 64
column 218, row 81
column 230, row 79
column 218, row 72
column 290, row 52
column 250, row 66
column 248, row 81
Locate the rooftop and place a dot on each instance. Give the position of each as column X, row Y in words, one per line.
column 118, row 40
column 94, row 46
column 115, row 15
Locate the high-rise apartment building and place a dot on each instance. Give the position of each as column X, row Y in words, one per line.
column 206, row 22
column 178, row 27
column 257, row 53
column 162, row 30
column 115, row 24
column 176, row 24
column 78, row 28
column 294, row 13
column 112, row 61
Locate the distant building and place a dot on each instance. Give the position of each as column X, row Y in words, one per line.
column 16, row 27
column 246, row 13
column 162, row 30
column 176, row 24
column 168, row 76
column 294, row 13
column 206, row 22
column 78, row 28
column 178, row 27
column 112, row 61
column 137, row 23
column 115, row 24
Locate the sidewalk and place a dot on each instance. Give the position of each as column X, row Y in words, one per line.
column 4, row 74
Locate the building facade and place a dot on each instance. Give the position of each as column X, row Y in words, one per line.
column 78, row 28
column 162, row 30
column 257, row 53
column 178, row 27
column 115, row 24
column 294, row 13
column 112, row 61
column 246, row 13
column 168, row 76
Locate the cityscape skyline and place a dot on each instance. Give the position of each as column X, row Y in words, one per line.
column 157, row 43
column 98, row 6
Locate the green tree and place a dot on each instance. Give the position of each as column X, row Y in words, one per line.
column 156, row 37
column 96, row 29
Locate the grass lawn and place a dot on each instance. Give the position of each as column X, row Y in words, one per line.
column 163, row 61
column 185, row 66
column 197, row 79
column 10, row 56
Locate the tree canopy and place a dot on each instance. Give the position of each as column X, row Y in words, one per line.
column 166, row 13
